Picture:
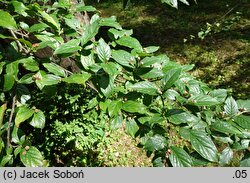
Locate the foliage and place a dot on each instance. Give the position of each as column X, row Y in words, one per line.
column 177, row 118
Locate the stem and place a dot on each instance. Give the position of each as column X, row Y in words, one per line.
column 20, row 46
column 10, row 120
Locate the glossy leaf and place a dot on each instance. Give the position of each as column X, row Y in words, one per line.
column 204, row 145
column 31, row 157
column 183, row 117
column 219, row 94
column 103, row 50
column 243, row 121
column 77, row 78
column 50, row 19
column 124, row 58
column 244, row 105
column 226, row 156
column 22, row 93
column 114, row 108
column 116, row 122
column 145, row 87
column 71, row 46
column 7, row 21
column 230, row 107
column 19, row 8
column 170, row 77
column 38, row 120
column 134, row 107
column 2, row 111
column 225, row 127
column 203, row 100
column 180, row 158
column 155, row 143
column 89, row 32
column 147, row 61
column 55, row 69
column 23, row 114
column 130, row 42
column 131, row 127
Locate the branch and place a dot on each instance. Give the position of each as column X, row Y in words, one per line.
column 10, row 120
column 20, row 46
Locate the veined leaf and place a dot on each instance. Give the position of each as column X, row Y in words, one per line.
column 145, row 87
column 183, row 117
column 131, row 127
column 7, row 21
column 19, row 8
column 230, row 107
column 226, row 156
column 38, row 120
column 124, row 58
column 130, row 42
column 243, row 121
column 31, row 157
column 134, row 107
column 23, row 114
column 170, row 77
column 50, row 20
column 55, row 69
column 225, row 127
column 116, row 122
column 244, row 105
column 103, row 50
column 77, row 78
column 69, row 47
column 180, row 158
column 155, row 143
column 204, row 145
column 219, row 94
column 203, row 100
column 90, row 32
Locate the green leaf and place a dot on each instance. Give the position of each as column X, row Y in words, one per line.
column 203, row 100
column 39, row 27
column 77, row 78
column 155, row 143
column 2, row 111
column 145, row 87
column 151, row 49
column 42, row 79
column 71, row 46
column 103, row 50
column 120, row 33
column 180, row 158
column 19, row 8
column 170, row 77
column 7, row 21
column 51, row 20
column 110, row 22
column 23, row 114
column 243, row 121
column 111, row 68
column 5, row 160
column 31, row 157
column 26, row 79
column 230, row 107
column 183, row 117
column 124, row 58
column 245, row 162
column 29, row 64
column 148, row 61
column 134, row 107
column 226, row 156
column 81, row 8
column 244, row 105
column 90, row 32
column 116, row 122
column 114, row 108
column 130, row 42
column 38, row 120
column 131, row 127
column 220, row 95
column 225, row 127
column 23, row 94
column 55, row 69
column 204, row 145
column 9, row 81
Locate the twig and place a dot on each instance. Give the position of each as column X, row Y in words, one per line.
column 10, row 120
column 20, row 46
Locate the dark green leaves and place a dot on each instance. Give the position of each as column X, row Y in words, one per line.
column 89, row 32
column 203, row 100
column 124, row 58
column 180, row 158
column 103, row 50
column 170, row 77
column 31, row 157
column 226, row 156
column 155, row 143
column 225, row 127
column 55, row 69
column 7, row 21
column 38, row 120
column 204, row 145
column 243, row 121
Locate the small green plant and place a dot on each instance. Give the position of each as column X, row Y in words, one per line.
column 178, row 119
